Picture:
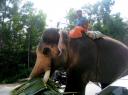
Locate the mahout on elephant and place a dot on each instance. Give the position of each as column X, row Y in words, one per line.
column 84, row 59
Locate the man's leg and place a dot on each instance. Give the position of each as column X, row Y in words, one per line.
column 94, row 34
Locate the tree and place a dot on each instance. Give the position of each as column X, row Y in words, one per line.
column 71, row 16
column 20, row 30
column 14, row 19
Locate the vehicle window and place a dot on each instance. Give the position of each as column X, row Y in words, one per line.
column 115, row 91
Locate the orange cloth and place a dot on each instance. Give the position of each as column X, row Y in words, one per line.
column 76, row 32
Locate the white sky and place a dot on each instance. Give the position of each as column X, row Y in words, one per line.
column 56, row 9
column 122, row 7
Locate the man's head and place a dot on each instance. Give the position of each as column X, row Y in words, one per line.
column 79, row 13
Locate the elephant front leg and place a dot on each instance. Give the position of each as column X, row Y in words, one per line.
column 75, row 84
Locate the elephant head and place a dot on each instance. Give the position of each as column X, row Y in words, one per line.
column 47, row 51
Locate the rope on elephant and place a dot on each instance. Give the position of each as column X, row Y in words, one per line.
column 64, row 93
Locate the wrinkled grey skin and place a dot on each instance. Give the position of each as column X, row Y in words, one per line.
column 103, row 60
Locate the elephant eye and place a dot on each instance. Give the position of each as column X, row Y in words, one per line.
column 46, row 51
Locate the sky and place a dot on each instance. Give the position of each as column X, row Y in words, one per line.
column 56, row 9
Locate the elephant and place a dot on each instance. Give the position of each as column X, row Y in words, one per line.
column 99, row 60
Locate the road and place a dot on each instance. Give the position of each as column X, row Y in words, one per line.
column 5, row 89
column 91, row 89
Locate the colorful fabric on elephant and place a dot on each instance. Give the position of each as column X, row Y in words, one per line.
column 76, row 32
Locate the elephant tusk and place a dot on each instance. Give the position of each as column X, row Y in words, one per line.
column 46, row 76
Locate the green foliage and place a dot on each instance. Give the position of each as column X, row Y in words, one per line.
column 13, row 65
column 115, row 27
column 15, row 21
column 20, row 30
column 71, row 16
column 36, row 87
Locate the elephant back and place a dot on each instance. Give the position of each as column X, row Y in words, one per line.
column 112, row 56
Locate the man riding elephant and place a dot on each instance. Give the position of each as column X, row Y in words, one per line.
column 81, row 29
column 82, row 26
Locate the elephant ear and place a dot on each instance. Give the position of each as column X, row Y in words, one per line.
column 46, row 51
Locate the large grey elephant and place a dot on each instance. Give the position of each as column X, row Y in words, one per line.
column 101, row 60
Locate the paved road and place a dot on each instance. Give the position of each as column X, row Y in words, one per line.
column 91, row 89
column 5, row 89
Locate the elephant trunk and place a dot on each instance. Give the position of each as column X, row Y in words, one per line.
column 45, row 77
column 43, row 65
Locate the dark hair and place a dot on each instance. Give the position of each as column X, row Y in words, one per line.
column 79, row 11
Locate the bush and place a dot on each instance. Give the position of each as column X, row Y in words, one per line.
column 14, row 65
